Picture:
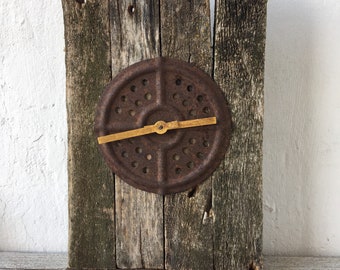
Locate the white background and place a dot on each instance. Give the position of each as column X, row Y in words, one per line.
column 301, row 134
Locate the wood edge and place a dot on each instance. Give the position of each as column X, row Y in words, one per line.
column 11, row 260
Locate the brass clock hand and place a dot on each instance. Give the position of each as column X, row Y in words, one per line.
column 191, row 123
column 160, row 127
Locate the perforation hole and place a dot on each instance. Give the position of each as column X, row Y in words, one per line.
column 176, row 157
column 132, row 113
column 133, row 88
column 190, row 88
column 178, row 82
column 185, row 103
column 145, row 82
column 138, row 103
column 192, row 112
column 205, row 143
column 199, row 98
column 134, row 164
column 206, row 110
column 200, row 155
column 139, row 150
column 192, row 140
column 125, row 154
column 148, row 156
column 123, row 98
column 147, row 96
column 146, row 170
column 178, row 170
column 190, row 164
column 175, row 96
column 185, row 150
column 118, row 110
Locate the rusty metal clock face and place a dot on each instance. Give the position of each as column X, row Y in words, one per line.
column 167, row 90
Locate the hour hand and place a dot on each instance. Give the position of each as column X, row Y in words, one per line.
column 160, row 127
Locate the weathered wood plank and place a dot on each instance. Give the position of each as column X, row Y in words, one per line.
column 185, row 31
column 237, row 188
column 139, row 215
column 301, row 263
column 91, row 204
column 18, row 260
column 185, row 35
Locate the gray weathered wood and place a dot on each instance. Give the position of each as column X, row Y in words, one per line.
column 139, row 215
column 185, row 35
column 237, row 187
column 19, row 260
column 56, row 261
column 218, row 225
column 91, row 204
column 16, row 260
column 301, row 263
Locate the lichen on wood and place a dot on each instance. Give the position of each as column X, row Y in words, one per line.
column 91, row 204
column 237, row 186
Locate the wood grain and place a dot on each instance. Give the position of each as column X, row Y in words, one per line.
column 301, row 263
column 217, row 225
column 185, row 35
column 237, row 187
column 56, row 261
column 91, row 204
column 24, row 260
column 139, row 215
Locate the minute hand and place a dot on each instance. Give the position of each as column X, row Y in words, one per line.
column 160, row 127
column 191, row 123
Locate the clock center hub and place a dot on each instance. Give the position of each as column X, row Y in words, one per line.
column 161, row 127
column 159, row 117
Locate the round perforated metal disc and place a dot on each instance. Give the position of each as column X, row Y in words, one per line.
column 168, row 90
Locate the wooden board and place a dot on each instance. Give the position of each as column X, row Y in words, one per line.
column 185, row 35
column 217, row 225
column 56, row 261
column 139, row 215
column 302, row 263
column 91, row 204
column 237, row 186
column 24, row 260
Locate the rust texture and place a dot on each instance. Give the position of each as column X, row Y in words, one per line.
column 168, row 90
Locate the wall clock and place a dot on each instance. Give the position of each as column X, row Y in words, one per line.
column 163, row 125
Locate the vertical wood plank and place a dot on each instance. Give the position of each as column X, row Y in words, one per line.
column 91, row 204
column 185, row 35
column 237, row 188
column 139, row 215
